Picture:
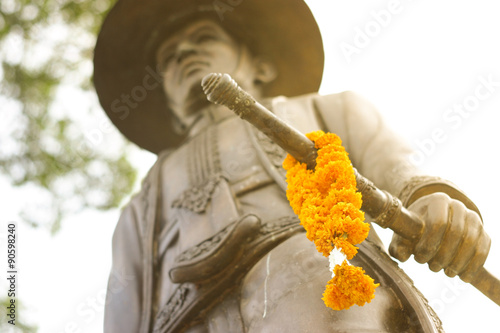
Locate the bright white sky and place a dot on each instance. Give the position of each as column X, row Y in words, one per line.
column 414, row 66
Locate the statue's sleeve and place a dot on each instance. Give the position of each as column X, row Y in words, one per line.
column 375, row 150
column 128, row 299
column 124, row 294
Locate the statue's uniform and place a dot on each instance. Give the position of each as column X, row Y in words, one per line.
column 214, row 211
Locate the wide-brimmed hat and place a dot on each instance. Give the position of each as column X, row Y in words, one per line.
column 125, row 73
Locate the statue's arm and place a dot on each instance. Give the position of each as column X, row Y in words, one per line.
column 123, row 300
column 375, row 150
column 454, row 238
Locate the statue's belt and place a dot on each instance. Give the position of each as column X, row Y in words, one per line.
column 203, row 271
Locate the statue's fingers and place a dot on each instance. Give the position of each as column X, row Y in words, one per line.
column 401, row 248
column 436, row 216
column 467, row 247
column 477, row 261
column 452, row 238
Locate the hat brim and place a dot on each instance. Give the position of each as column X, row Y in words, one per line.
column 130, row 88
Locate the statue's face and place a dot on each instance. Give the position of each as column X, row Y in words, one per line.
column 198, row 49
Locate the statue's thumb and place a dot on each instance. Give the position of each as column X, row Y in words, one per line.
column 400, row 248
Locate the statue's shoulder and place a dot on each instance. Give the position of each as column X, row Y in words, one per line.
column 312, row 111
column 348, row 95
column 345, row 100
column 337, row 113
column 346, row 106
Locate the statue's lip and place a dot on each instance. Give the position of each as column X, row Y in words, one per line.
column 190, row 66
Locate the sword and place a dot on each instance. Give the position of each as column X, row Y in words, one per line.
column 387, row 210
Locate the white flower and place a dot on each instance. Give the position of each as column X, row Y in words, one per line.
column 336, row 258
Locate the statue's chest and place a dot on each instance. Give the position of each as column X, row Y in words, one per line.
column 211, row 181
column 221, row 152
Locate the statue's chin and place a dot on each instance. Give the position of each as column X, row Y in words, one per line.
column 196, row 100
column 187, row 108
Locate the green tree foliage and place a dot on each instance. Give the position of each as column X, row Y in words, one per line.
column 46, row 50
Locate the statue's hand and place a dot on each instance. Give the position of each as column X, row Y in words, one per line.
column 453, row 239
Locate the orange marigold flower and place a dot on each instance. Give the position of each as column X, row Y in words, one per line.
column 328, row 206
column 347, row 248
column 349, row 286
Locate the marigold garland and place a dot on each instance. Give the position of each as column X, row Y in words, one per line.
column 328, row 206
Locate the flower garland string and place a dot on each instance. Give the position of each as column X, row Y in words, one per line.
column 328, row 206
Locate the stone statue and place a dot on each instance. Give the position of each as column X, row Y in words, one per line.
column 210, row 244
